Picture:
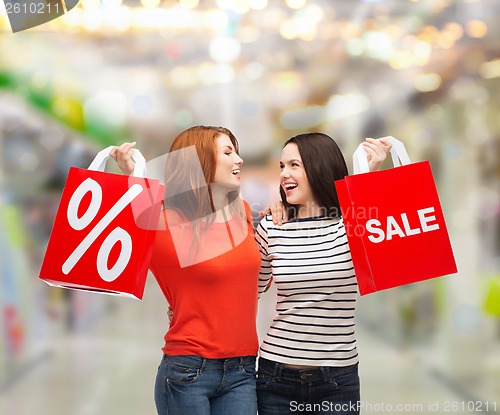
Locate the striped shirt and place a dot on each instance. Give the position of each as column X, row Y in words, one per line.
column 310, row 262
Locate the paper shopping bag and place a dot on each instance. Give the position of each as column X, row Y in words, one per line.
column 492, row 302
column 104, row 230
column 394, row 223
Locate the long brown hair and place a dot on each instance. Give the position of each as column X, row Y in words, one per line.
column 324, row 164
column 187, row 192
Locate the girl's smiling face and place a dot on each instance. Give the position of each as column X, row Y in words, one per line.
column 228, row 165
column 293, row 178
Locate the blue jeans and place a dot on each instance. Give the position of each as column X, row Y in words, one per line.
column 193, row 385
column 323, row 390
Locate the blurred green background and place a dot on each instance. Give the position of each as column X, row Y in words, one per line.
column 108, row 71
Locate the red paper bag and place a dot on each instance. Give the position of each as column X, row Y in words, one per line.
column 104, row 230
column 394, row 223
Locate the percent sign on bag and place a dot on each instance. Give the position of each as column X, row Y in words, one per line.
column 104, row 219
column 116, row 235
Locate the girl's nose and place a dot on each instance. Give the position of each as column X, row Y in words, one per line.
column 284, row 173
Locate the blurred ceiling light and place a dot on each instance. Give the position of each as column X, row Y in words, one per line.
column 150, row 4
column 204, row 73
column 378, row 45
column 476, row 28
column 303, row 118
column 248, row 34
column 355, row 47
column 209, row 74
column 224, row 49
column 349, row 30
column 313, row 12
column 272, row 19
column 445, row 40
column 183, row 77
column 393, row 31
column 90, row 4
column 92, row 20
column 225, row 4
column 310, row 35
column 343, row 106
column 112, row 4
column 122, row 19
column 242, row 6
column 216, row 20
column 296, row 4
column 427, row 82
column 490, row 70
column 328, row 31
column 176, row 18
column 422, row 51
column 238, row 6
column 429, row 34
column 287, row 30
column 73, row 19
column 302, row 25
column 455, row 29
column 287, row 80
column 189, row 4
column 258, row 4
column 401, row 60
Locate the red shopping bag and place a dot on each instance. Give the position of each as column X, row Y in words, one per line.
column 394, row 223
column 104, row 230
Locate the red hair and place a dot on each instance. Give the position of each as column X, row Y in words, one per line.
column 187, row 191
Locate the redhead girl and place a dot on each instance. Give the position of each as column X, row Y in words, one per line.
column 207, row 264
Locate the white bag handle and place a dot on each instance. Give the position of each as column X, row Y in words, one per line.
column 398, row 152
column 99, row 162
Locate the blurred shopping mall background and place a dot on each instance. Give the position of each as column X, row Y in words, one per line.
column 425, row 71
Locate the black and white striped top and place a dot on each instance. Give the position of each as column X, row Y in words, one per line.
column 310, row 262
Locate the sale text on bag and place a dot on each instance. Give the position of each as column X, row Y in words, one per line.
column 393, row 228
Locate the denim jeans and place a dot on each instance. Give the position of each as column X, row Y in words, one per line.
column 323, row 390
column 193, row 385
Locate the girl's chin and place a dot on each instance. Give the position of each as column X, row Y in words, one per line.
column 229, row 187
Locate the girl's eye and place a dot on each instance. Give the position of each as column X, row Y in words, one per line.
column 281, row 166
column 295, row 165
column 228, row 154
